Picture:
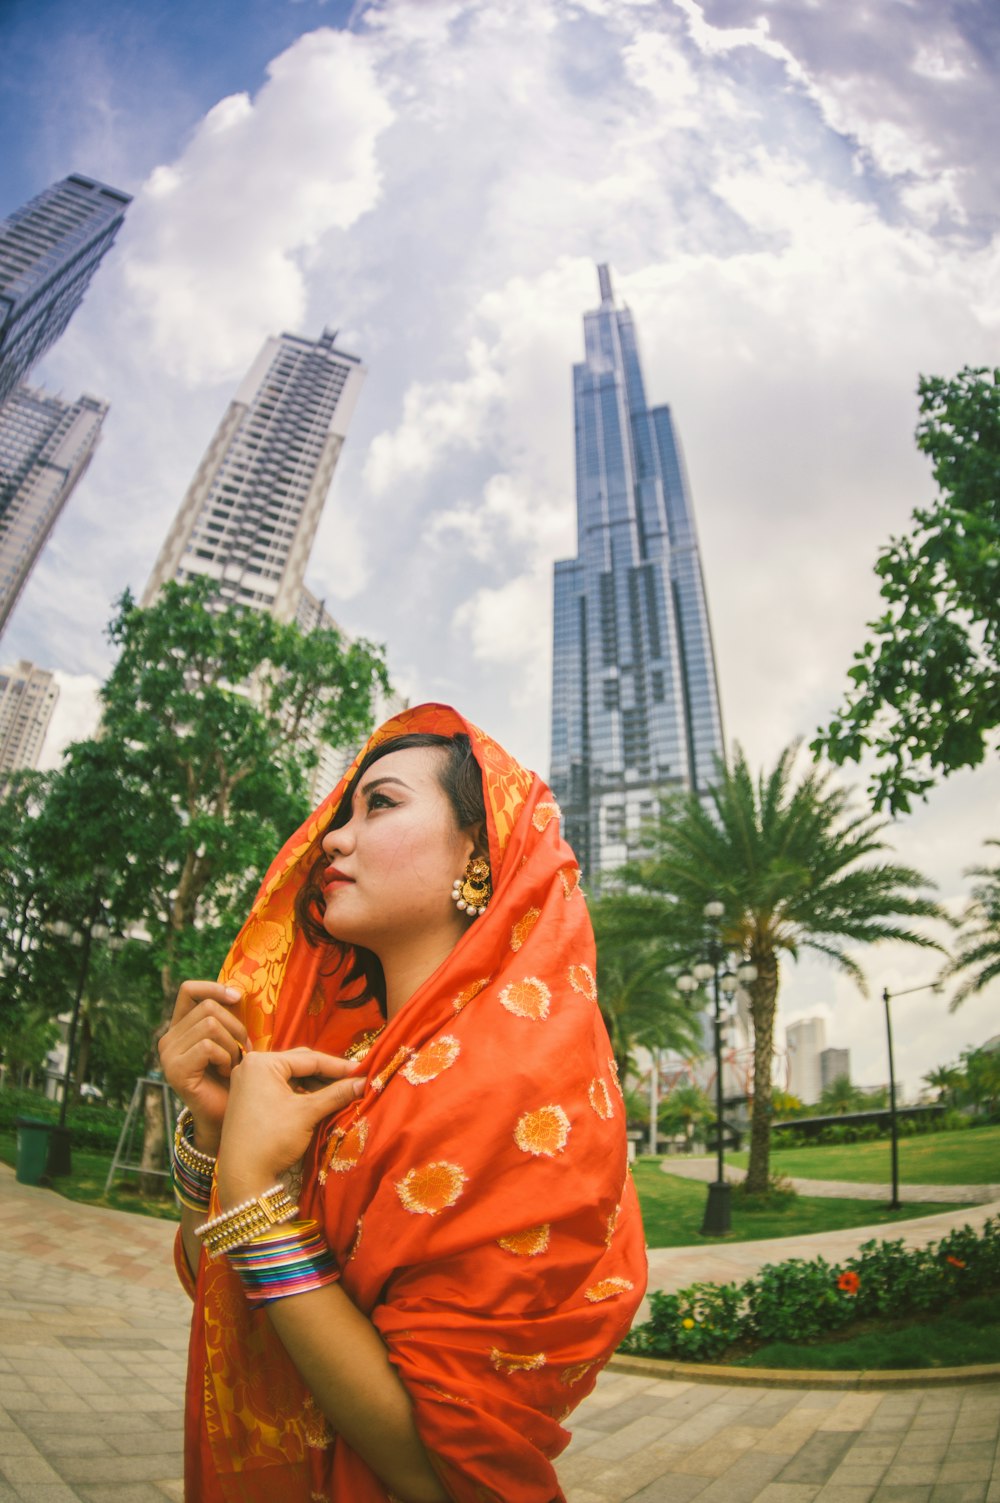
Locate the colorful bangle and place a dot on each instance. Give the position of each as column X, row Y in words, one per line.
column 244, row 1222
column 281, row 1263
column 191, row 1170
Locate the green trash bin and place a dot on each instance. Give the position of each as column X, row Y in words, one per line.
column 32, row 1149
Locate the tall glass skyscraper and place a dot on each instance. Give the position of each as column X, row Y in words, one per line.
column 49, row 250
column 635, row 704
column 46, row 445
column 251, row 512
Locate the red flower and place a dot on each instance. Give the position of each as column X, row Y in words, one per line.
column 849, row 1282
column 955, row 1262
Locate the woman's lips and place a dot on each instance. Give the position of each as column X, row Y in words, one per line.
column 333, row 877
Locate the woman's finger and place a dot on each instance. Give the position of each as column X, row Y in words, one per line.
column 301, row 1062
column 190, row 993
column 325, row 1101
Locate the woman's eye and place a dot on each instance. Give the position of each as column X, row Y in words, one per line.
column 380, row 801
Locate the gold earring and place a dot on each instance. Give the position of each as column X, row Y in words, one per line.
column 473, row 890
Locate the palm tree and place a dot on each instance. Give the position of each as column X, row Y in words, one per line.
column 639, row 1003
column 786, row 860
column 979, row 935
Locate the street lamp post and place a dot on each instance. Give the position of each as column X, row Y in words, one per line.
column 887, row 996
column 725, row 982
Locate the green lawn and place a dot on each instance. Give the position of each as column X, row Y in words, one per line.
column 970, row 1156
column 673, row 1210
column 87, row 1181
column 966, row 1333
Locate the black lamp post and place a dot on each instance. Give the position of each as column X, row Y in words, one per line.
column 887, row 996
column 725, row 982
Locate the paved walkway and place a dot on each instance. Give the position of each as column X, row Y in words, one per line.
column 92, row 1337
column 704, row 1169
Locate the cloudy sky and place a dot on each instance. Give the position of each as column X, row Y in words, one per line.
column 798, row 201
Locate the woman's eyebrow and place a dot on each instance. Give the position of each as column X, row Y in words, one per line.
column 377, row 783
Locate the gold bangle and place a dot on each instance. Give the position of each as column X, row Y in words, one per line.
column 243, row 1223
column 191, row 1157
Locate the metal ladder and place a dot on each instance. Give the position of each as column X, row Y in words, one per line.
column 128, row 1154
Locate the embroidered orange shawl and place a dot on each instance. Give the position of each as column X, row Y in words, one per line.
column 476, row 1197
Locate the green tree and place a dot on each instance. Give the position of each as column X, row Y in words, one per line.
column 925, row 688
column 982, row 1079
column 684, row 1109
column 841, row 1097
column 640, row 1005
column 977, row 958
column 787, row 860
column 948, row 1081
column 172, row 813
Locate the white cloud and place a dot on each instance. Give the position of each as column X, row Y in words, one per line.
column 218, row 238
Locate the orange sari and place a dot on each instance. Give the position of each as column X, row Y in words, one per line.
column 477, row 1196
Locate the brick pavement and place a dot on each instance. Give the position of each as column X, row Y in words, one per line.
column 92, row 1337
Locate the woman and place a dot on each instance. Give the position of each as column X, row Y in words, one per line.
column 426, row 1240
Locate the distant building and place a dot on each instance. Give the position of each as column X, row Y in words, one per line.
column 46, row 445
column 49, row 251
column 249, row 518
column 635, row 703
column 27, row 698
column 250, row 514
column 805, row 1040
column 834, row 1064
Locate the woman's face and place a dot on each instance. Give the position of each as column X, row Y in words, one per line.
column 392, row 865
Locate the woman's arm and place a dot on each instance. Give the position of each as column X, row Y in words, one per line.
column 337, row 1350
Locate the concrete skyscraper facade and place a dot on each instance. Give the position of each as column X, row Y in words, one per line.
column 27, row 698
column 49, row 250
column 46, row 445
column 250, row 514
column 635, row 705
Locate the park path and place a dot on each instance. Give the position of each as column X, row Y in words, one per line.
column 704, row 1169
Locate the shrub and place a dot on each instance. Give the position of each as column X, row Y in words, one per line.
column 801, row 1299
column 92, row 1126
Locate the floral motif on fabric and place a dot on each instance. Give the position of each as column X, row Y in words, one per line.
column 468, row 992
column 430, row 1061
column 265, row 944
column 432, row 1188
column 615, row 1077
column 612, row 1225
column 343, row 1150
column 516, row 1362
column 608, row 1289
column 523, row 928
column 316, row 1428
column 528, row 1244
column 545, row 813
column 544, row 1132
column 600, row 1099
column 581, row 979
column 352, row 1251
column 528, row 998
column 570, row 879
column 571, row 1375
column 317, row 1002
column 381, row 1080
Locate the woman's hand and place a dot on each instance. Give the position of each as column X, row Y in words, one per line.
column 272, row 1115
column 204, row 1042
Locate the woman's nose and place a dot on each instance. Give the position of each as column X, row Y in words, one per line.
column 338, row 842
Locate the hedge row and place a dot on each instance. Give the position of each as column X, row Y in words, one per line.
column 802, row 1299
column 867, row 1132
column 93, row 1125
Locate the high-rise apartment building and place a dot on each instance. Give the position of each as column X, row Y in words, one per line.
column 635, row 704
column 46, row 444
column 49, row 250
column 27, row 698
column 805, row 1040
column 834, row 1064
column 250, row 514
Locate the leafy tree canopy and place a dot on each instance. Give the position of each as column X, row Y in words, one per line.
column 977, row 959
column 925, row 687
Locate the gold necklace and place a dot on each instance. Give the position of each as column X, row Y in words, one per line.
column 364, row 1044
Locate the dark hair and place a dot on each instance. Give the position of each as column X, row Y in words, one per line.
column 462, row 781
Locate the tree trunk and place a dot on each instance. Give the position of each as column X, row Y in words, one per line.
column 763, row 999
column 153, row 1143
